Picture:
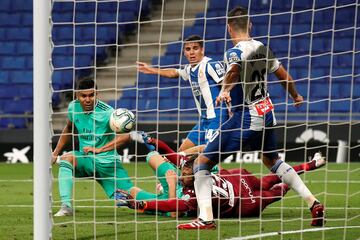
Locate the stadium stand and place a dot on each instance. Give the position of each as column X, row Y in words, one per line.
column 329, row 62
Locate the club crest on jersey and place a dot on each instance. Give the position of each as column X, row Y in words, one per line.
column 233, row 57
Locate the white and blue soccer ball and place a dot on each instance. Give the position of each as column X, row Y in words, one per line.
column 122, row 120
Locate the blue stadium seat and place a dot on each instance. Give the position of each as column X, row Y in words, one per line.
column 63, row 34
column 24, row 48
column 5, row 5
column 7, row 48
column 22, row 6
column 4, row 77
column 147, row 104
column 340, row 106
column 27, row 19
column 319, row 89
column 303, row 4
column 321, row 42
column 345, row 22
column 85, row 34
column 10, row 19
column 13, row 63
column 62, row 17
column 62, row 62
column 318, row 106
column 63, row 51
column 13, row 123
column 19, row 34
column 18, row 107
column 281, row 6
column 9, row 92
column 106, row 34
column 323, row 20
column 342, row 44
column 214, row 32
column 21, row 77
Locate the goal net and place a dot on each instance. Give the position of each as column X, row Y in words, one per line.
column 316, row 41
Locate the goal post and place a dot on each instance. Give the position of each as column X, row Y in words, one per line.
column 103, row 40
column 42, row 121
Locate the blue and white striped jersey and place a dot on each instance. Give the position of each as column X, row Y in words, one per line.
column 255, row 61
column 205, row 80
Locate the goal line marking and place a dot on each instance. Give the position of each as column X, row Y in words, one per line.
column 290, row 232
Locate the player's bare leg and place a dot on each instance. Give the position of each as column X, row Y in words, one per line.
column 203, row 186
column 291, row 178
column 186, row 145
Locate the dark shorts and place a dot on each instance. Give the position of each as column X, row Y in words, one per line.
column 233, row 137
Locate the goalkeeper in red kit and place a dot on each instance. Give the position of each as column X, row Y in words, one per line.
column 235, row 192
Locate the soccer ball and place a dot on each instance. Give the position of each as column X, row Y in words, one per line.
column 122, row 120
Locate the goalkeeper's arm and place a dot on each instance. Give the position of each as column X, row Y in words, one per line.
column 166, row 72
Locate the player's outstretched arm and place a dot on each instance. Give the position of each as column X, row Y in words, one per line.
column 289, row 85
column 64, row 139
column 166, row 72
column 117, row 142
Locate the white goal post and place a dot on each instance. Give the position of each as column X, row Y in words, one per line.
column 42, row 121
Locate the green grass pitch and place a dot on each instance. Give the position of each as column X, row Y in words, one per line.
column 337, row 185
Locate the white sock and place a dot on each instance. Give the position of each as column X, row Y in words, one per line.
column 203, row 188
column 291, row 178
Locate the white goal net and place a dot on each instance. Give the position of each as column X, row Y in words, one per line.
column 318, row 42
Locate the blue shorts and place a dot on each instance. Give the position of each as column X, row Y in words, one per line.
column 234, row 136
column 202, row 131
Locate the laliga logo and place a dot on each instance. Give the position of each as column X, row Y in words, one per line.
column 17, row 155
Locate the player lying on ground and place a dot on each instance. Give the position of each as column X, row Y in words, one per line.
column 97, row 155
column 252, row 121
column 235, row 192
column 205, row 76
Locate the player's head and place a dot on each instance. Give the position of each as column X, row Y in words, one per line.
column 194, row 49
column 238, row 21
column 187, row 175
column 86, row 93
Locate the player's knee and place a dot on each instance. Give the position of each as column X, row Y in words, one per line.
column 134, row 191
column 270, row 159
column 151, row 155
column 68, row 157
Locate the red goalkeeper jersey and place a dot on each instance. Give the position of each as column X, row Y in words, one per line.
column 234, row 193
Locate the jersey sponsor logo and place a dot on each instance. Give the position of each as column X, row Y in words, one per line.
column 263, row 107
column 219, row 69
column 250, row 193
column 195, row 89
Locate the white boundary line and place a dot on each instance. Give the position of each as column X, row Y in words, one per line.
column 290, row 232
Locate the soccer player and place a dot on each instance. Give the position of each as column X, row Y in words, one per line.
column 90, row 117
column 244, row 91
column 204, row 76
column 235, row 192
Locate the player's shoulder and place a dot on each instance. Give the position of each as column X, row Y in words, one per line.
column 103, row 106
column 73, row 105
column 233, row 54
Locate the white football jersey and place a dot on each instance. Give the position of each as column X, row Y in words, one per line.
column 255, row 60
column 205, row 80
